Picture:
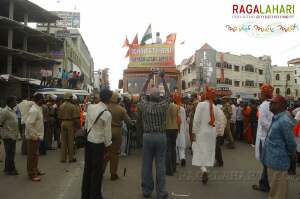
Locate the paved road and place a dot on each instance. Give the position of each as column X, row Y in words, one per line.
column 63, row 181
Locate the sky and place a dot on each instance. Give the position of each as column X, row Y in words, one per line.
column 105, row 24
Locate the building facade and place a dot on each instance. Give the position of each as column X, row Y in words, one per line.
column 24, row 51
column 284, row 81
column 242, row 74
column 74, row 55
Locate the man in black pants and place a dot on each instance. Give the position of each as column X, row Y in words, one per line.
column 98, row 142
column 171, row 132
column 9, row 121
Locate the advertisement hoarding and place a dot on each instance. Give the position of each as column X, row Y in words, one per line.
column 68, row 20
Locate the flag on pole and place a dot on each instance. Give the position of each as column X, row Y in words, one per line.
column 171, row 38
column 127, row 54
column 135, row 41
column 147, row 35
column 126, row 42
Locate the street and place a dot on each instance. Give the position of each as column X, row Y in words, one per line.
column 63, row 181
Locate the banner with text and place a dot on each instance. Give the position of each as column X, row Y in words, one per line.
column 152, row 55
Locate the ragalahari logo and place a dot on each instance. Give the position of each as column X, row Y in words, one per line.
column 263, row 11
column 258, row 18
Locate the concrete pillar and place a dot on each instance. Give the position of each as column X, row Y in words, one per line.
column 26, row 19
column 10, row 38
column 11, row 9
column 25, row 39
column 48, row 28
column 9, row 65
column 9, row 57
column 24, row 69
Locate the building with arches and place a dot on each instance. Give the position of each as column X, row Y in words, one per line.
column 284, row 81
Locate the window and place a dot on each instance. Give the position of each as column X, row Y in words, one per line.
column 249, row 68
column 227, row 65
column 189, row 70
column 295, row 72
column 237, row 83
column 260, row 85
column 288, row 77
column 288, row 91
column 249, row 83
column 228, row 81
column 236, row 68
column 277, row 77
column 260, row 71
column 218, row 64
column 295, row 81
column 277, row 91
column 296, row 93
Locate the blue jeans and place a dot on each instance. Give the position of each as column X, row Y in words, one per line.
column 154, row 148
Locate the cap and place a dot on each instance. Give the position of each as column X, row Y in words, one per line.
column 68, row 95
column 115, row 97
column 278, row 99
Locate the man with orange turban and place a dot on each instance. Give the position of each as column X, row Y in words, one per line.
column 264, row 122
column 205, row 132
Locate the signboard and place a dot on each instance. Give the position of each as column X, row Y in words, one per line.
column 68, row 20
column 152, row 55
column 61, row 34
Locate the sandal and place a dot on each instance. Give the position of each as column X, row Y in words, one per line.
column 35, row 179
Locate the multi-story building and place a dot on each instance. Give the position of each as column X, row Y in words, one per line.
column 296, row 64
column 104, row 81
column 74, row 55
column 24, row 51
column 284, row 81
column 243, row 74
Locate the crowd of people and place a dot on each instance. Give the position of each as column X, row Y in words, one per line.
column 169, row 126
column 62, row 79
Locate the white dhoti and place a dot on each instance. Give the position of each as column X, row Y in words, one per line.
column 205, row 144
column 181, row 138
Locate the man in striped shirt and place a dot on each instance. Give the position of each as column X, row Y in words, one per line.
column 153, row 117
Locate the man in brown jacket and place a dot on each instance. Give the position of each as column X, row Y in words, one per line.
column 119, row 114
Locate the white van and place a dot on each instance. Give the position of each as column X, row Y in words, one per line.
column 59, row 92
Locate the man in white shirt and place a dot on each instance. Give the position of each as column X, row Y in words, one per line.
column 24, row 107
column 264, row 122
column 233, row 119
column 10, row 131
column 44, row 76
column 34, row 133
column 98, row 122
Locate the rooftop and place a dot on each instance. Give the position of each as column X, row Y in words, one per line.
column 294, row 61
column 36, row 13
column 26, row 55
column 8, row 23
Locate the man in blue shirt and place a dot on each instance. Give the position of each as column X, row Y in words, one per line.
column 279, row 147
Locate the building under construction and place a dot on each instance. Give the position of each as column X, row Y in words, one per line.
column 24, row 51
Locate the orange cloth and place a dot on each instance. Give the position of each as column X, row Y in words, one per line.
column 246, row 124
column 296, row 129
column 267, row 89
column 210, row 95
column 81, row 116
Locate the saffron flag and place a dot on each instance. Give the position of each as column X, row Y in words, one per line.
column 126, row 43
column 171, row 38
column 147, row 35
column 135, row 41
